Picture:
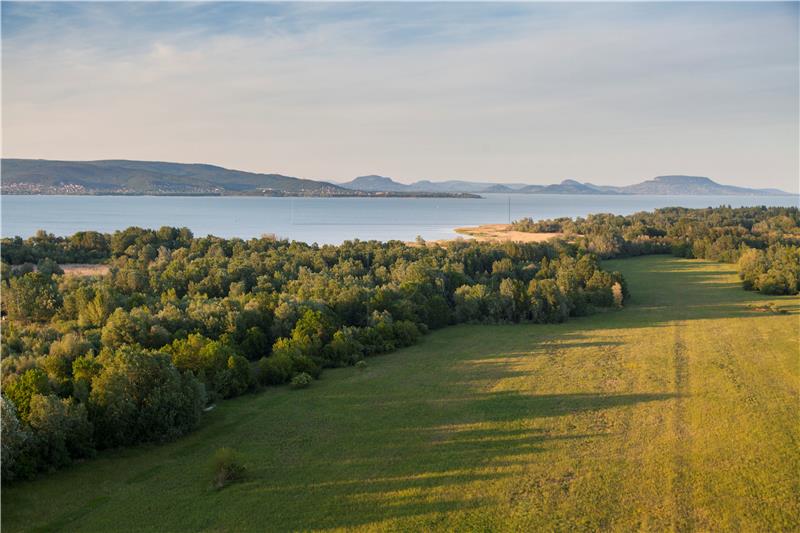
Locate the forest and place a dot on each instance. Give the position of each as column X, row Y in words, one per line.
column 763, row 241
column 180, row 322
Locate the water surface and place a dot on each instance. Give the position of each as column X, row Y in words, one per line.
column 325, row 220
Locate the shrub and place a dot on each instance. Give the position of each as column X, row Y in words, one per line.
column 303, row 364
column 275, row 369
column 237, row 379
column 301, row 380
column 48, row 267
column 227, row 467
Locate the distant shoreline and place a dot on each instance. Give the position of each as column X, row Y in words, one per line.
column 491, row 233
column 467, row 196
column 457, row 196
column 356, row 194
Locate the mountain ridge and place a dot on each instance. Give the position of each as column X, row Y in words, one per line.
column 675, row 184
column 123, row 176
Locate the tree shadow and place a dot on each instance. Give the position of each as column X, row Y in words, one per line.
column 425, row 467
column 679, row 289
column 429, row 442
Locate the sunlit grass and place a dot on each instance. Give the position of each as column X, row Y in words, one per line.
column 679, row 412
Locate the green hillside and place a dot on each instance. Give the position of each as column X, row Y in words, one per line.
column 679, row 412
column 122, row 176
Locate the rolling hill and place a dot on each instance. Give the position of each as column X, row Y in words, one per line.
column 39, row 176
column 119, row 176
column 142, row 177
column 692, row 185
column 661, row 185
column 376, row 183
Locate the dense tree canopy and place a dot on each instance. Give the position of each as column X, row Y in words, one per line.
column 178, row 322
column 764, row 240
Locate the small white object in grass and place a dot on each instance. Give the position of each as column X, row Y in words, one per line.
column 210, row 407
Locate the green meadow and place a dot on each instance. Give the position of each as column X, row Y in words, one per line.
column 679, row 412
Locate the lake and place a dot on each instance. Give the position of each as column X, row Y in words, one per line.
column 325, row 220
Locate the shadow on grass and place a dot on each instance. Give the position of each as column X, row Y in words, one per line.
column 505, row 406
column 435, row 445
column 483, row 437
column 678, row 289
column 433, row 467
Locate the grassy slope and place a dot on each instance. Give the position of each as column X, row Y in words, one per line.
column 679, row 412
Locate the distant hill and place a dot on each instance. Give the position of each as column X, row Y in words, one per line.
column 143, row 177
column 382, row 183
column 375, row 183
column 566, row 187
column 39, row 176
column 661, row 185
column 694, row 185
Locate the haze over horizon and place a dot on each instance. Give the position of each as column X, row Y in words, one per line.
column 531, row 93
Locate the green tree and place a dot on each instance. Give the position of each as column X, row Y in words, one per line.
column 256, row 343
column 548, row 303
column 22, row 388
column 517, row 307
column 140, row 396
column 33, row 297
column 61, row 431
column 752, row 264
column 48, row 267
column 14, row 441
column 470, row 303
column 236, row 379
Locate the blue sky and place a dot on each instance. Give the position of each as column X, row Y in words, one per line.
column 611, row 93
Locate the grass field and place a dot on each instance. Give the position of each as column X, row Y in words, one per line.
column 679, row 412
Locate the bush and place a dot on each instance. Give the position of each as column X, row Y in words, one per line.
column 227, row 468
column 301, row 380
column 237, row 379
column 48, row 267
column 275, row 369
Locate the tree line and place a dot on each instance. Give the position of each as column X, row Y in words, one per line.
column 180, row 321
column 763, row 241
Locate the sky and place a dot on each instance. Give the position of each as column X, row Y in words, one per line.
column 610, row 93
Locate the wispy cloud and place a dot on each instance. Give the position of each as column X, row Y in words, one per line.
column 537, row 92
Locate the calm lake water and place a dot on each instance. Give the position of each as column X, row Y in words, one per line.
column 325, row 220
